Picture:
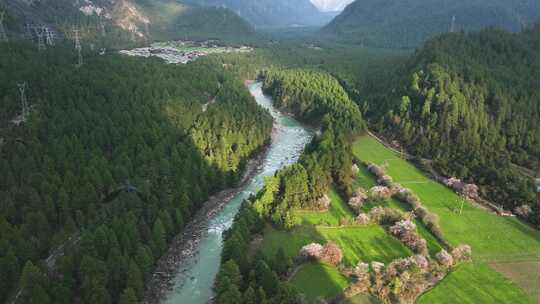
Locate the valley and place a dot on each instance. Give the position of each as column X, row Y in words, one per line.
column 194, row 280
column 373, row 158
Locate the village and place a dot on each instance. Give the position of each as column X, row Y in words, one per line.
column 183, row 52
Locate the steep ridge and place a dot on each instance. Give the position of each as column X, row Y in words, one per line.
column 470, row 102
column 121, row 22
column 393, row 23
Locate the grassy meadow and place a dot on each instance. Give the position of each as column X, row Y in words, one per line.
column 359, row 243
column 365, row 244
column 467, row 284
column 319, row 280
column 493, row 238
column 506, row 252
column 367, row 180
column 338, row 210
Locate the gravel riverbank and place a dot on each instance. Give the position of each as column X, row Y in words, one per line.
column 184, row 245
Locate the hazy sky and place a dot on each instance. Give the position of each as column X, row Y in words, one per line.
column 331, row 5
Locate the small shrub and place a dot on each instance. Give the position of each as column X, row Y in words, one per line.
column 362, row 219
column 311, row 251
column 444, row 258
column 332, row 254
column 523, row 211
column 462, row 253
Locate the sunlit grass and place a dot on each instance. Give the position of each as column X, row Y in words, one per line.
column 492, row 238
column 319, row 280
column 338, row 210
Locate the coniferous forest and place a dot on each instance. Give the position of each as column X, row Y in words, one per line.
column 470, row 103
column 412, row 174
column 98, row 181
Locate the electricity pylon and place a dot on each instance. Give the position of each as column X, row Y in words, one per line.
column 49, row 36
column 24, row 102
column 40, row 33
column 78, row 47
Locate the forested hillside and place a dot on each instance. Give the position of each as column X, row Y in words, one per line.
column 113, row 159
column 396, row 23
column 472, row 103
column 318, row 98
column 122, row 23
column 313, row 97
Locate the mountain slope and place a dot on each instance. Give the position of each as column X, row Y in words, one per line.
column 273, row 13
column 123, row 21
column 471, row 102
column 394, row 23
column 113, row 160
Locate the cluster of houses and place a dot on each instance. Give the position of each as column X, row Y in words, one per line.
column 182, row 52
column 168, row 54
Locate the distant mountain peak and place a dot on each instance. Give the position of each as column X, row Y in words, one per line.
column 331, row 5
column 275, row 13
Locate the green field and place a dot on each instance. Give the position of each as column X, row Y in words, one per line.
column 362, row 299
column 365, row 243
column 467, row 284
column 338, row 209
column 359, row 243
column 366, row 180
column 319, row 280
column 290, row 241
column 493, row 238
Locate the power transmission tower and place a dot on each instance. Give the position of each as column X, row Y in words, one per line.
column 49, row 36
column 40, row 35
column 3, row 35
column 24, row 102
column 453, row 25
column 78, row 47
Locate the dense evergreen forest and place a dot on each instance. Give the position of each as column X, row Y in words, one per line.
column 313, row 97
column 113, row 159
column 471, row 103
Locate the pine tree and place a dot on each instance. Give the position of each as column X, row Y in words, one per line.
column 33, row 285
column 135, row 279
column 249, row 297
column 158, row 239
column 128, row 297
